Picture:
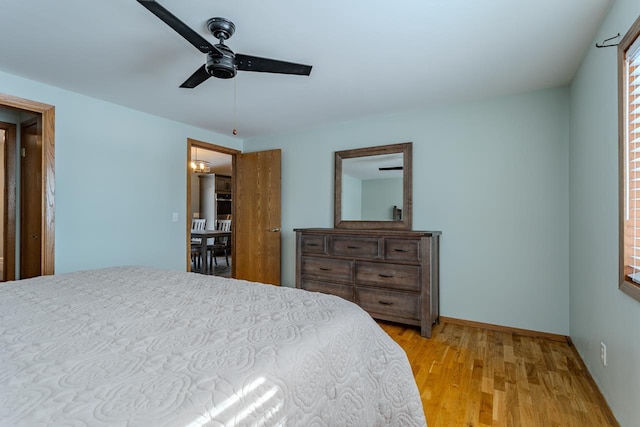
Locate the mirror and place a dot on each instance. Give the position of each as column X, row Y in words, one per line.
column 373, row 187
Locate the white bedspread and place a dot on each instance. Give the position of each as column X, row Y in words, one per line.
column 133, row 346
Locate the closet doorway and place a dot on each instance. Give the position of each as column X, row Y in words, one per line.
column 28, row 179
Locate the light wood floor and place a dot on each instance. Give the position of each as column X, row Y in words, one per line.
column 475, row 377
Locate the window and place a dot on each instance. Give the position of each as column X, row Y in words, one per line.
column 629, row 135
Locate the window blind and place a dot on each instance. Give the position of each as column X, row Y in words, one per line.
column 632, row 184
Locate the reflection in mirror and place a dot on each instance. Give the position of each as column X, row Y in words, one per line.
column 373, row 188
column 397, row 214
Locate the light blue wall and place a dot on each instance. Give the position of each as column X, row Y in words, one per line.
column 351, row 197
column 120, row 174
column 492, row 176
column 379, row 196
column 599, row 311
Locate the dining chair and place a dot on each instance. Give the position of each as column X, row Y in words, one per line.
column 221, row 244
column 196, row 242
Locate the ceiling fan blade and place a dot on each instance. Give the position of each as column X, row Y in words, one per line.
column 196, row 78
column 180, row 27
column 266, row 65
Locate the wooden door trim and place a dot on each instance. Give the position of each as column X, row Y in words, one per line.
column 48, row 173
column 9, row 220
column 212, row 147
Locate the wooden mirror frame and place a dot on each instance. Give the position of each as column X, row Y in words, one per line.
column 405, row 223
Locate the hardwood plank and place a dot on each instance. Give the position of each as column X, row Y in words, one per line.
column 474, row 377
column 500, row 328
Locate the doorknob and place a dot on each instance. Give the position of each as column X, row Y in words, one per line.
column 274, row 230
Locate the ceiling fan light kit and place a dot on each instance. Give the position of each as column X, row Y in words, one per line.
column 222, row 67
column 221, row 61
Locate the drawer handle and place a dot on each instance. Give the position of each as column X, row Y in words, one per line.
column 401, row 250
column 353, row 247
column 385, row 302
column 325, row 269
column 385, row 275
column 312, row 244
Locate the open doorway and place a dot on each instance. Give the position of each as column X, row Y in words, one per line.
column 255, row 194
column 28, row 217
column 16, row 178
column 210, row 172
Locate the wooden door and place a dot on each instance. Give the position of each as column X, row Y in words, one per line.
column 31, row 198
column 256, row 217
column 9, row 217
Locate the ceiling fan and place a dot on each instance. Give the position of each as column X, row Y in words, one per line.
column 221, row 61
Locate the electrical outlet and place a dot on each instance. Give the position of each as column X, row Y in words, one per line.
column 174, row 217
column 603, row 353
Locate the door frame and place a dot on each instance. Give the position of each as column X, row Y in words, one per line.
column 211, row 147
column 47, row 264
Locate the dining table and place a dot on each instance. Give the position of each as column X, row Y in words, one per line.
column 204, row 235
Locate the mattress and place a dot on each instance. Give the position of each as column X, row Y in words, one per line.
column 137, row 346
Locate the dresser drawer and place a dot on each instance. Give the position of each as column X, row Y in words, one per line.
column 311, row 244
column 391, row 276
column 389, row 303
column 355, row 247
column 402, row 250
column 343, row 291
column 327, row 269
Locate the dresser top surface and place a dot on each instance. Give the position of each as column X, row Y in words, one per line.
column 384, row 233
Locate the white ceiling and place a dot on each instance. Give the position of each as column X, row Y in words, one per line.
column 368, row 56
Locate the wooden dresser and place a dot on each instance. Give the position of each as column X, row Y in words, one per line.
column 393, row 275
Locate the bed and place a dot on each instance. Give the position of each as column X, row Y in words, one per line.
column 138, row 346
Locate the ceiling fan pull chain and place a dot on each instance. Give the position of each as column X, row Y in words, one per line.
column 235, row 100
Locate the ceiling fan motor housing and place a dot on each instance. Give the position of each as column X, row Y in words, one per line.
column 222, row 67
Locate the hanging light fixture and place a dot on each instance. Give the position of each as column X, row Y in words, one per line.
column 199, row 166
